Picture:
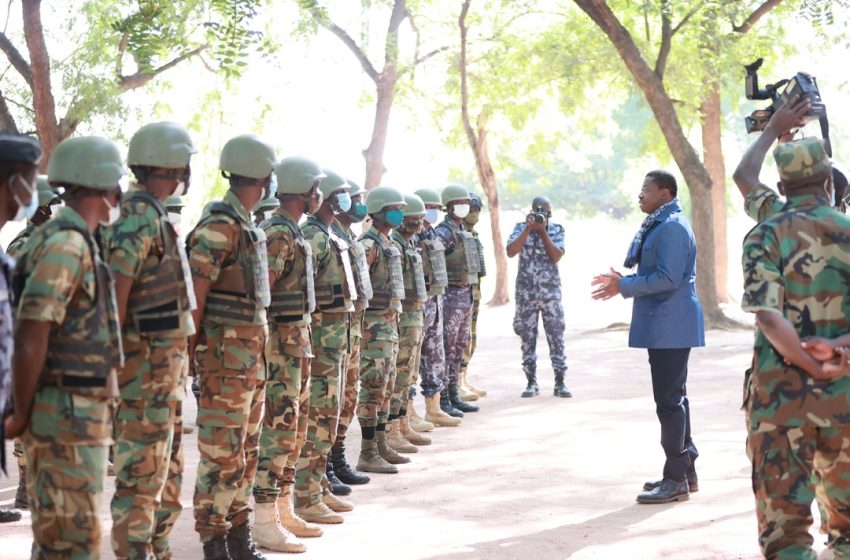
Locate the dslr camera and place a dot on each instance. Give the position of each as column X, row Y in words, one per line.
column 536, row 217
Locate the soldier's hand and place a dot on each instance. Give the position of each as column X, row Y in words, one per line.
column 836, row 367
column 820, row 348
column 14, row 425
column 790, row 116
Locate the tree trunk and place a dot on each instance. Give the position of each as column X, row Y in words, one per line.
column 7, row 121
column 710, row 119
column 374, row 154
column 42, row 95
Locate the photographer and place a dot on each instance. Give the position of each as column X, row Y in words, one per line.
column 540, row 245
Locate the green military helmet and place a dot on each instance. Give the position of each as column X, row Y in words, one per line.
column 454, row 193
column 475, row 202
column 86, row 161
column 354, row 189
column 332, row 183
column 161, row 144
column 297, row 175
column 380, row 197
column 174, row 203
column 429, row 196
column 266, row 204
column 415, row 205
column 46, row 194
column 249, row 156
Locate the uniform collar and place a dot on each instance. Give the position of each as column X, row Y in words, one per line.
column 807, row 199
column 232, row 200
column 69, row 214
column 284, row 214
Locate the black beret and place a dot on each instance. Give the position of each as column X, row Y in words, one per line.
column 19, row 148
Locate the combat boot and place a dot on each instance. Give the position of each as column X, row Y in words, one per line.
column 459, row 403
column 463, row 390
column 471, row 387
column 410, row 434
column 21, row 501
column 240, row 544
column 319, row 513
column 371, row 461
column 342, row 469
column 561, row 389
column 337, row 486
column 335, row 504
column 216, row 549
column 270, row 534
column 532, row 390
column 386, row 452
column 397, row 441
column 418, row 423
column 435, row 414
column 10, row 515
column 446, row 405
column 290, row 521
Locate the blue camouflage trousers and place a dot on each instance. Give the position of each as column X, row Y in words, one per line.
column 525, row 326
column 457, row 318
column 432, row 361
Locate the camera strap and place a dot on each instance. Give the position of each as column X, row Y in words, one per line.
column 824, row 130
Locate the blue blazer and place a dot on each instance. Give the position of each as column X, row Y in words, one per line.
column 666, row 312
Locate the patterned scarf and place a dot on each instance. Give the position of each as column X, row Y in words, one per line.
column 633, row 256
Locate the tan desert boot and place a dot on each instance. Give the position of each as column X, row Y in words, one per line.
column 466, row 393
column 409, row 434
column 471, row 387
column 371, row 461
column 397, row 441
column 435, row 415
column 388, row 453
column 268, row 532
column 335, row 504
column 290, row 521
column 418, row 423
column 319, row 513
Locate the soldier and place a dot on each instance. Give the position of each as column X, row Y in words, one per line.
column 153, row 288
column 68, row 345
column 264, row 209
column 462, row 267
column 432, row 364
column 540, row 245
column 227, row 256
column 379, row 347
column 335, row 296
column 467, row 391
column 340, row 473
column 289, row 353
column 174, row 205
column 19, row 159
column 401, row 437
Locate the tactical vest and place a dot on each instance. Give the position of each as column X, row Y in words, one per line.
column 387, row 276
column 362, row 281
column 241, row 294
column 293, row 295
column 335, row 289
column 84, row 349
column 415, row 293
column 434, row 265
column 462, row 262
column 482, row 265
column 162, row 297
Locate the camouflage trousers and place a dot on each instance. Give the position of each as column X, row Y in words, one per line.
column 409, row 347
column 525, row 326
column 377, row 375
column 457, row 306
column 432, row 363
column 784, row 461
column 473, row 328
column 327, row 372
column 350, row 391
column 284, row 423
column 230, row 416
column 65, row 447
column 170, row 506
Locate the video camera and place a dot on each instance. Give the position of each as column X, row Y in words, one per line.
column 802, row 84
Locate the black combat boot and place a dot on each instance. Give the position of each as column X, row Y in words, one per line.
column 240, row 544
column 10, row 515
column 337, row 486
column 342, row 469
column 447, row 407
column 21, row 501
column 459, row 403
column 216, row 549
column 561, row 389
column 531, row 390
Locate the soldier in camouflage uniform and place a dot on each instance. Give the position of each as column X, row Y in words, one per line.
column 467, row 391
column 19, row 159
column 227, row 257
column 462, row 267
column 264, row 209
column 155, row 302
column 538, row 292
column 796, row 269
column 68, row 346
column 432, row 356
column 379, row 347
column 340, row 473
column 289, row 353
column 401, row 437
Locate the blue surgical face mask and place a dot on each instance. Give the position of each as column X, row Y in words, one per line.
column 432, row 215
column 343, row 202
column 28, row 211
column 394, row 217
column 357, row 212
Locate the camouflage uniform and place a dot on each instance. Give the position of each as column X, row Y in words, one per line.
column 432, row 356
column 61, row 280
column 796, row 263
column 14, row 251
column 226, row 249
column 538, row 292
column 331, row 329
column 289, row 353
column 145, row 248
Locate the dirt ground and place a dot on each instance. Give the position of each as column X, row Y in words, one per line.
column 540, row 478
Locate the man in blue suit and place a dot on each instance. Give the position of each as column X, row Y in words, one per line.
column 667, row 321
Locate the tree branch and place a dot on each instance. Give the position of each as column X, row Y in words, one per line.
column 137, row 80
column 122, row 48
column 7, row 121
column 322, row 19
column 464, row 81
column 14, row 56
column 691, row 14
column 431, row 54
column 666, row 40
column 397, row 16
column 42, row 91
column 754, row 17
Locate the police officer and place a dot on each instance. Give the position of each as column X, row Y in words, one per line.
column 467, row 391
column 227, row 256
column 540, row 245
column 68, row 345
column 48, row 200
column 153, row 289
column 462, row 267
column 432, row 364
column 379, row 347
column 289, row 353
column 335, row 296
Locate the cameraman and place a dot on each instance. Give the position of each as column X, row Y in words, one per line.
column 540, row 245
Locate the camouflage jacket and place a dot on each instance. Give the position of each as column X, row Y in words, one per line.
column 537, row 276
column 14, row 248
column 379, row 324
column 762, row 203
